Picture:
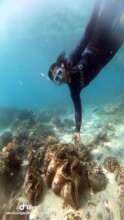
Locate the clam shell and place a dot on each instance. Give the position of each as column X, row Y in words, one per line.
column 58, row 181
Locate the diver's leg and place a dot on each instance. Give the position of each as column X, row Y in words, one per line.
column 100, row 24
column 121, row 29
column 118, row 29
column 76, row 54
column 107, row 15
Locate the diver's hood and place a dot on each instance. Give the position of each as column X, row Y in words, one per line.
column 61, row 59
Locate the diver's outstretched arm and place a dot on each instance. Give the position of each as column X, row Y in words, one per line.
column 78, row 109
column 76, row 54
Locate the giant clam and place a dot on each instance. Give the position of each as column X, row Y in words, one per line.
column 33, row 185
column 63, row 172
column 10, row 164
column 66, row 168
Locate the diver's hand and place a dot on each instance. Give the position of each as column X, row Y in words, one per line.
column 76, row 137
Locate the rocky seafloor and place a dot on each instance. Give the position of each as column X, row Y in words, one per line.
column 44, row 175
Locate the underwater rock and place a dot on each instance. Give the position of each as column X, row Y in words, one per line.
column 97, row 179
column 111, row 164
column 5, row 138
column 33, row 184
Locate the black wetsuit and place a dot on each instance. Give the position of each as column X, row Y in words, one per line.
column 102, row 39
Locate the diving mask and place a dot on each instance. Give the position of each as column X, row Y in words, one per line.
column 58, row 76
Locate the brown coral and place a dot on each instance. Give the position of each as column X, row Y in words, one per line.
column 111, row 164
column 10, row 163
column 11, row 146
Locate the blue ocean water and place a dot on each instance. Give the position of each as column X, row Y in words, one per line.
column 32, row 34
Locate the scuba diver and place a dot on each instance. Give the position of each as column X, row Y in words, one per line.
column 102, row 39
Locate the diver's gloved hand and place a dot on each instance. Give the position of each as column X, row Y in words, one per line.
column 76, row 137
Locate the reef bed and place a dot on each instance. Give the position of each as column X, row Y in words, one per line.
column 44, row 175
